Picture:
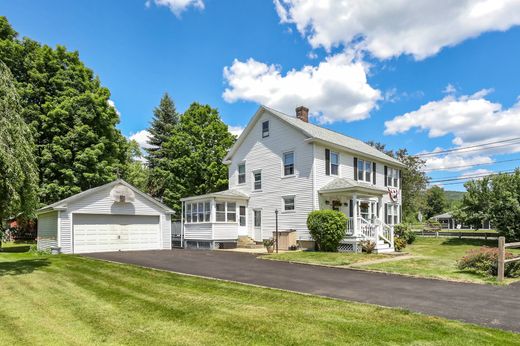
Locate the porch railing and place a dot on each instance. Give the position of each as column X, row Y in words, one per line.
column 375, row 231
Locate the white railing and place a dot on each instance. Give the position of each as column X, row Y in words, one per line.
column 367, row 229
column 350, row 227
column 378, row 230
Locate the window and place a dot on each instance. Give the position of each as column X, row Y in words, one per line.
column 242, row 215
column 188, row 212
column 334, row 163
column 364, row 170
column 265, row 129
column 258, row 218
column 288, row 203
column 231, row 212
column 221, row 211
column 242, row 173
column 207, row 212
column 392, row 177
column 258, row 180
column 288, row 163
column 392, row 213
column 194, row 213
column 198, row 212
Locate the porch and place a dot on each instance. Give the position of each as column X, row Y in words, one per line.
column 365, row 207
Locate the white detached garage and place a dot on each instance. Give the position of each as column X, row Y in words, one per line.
column 113, row 217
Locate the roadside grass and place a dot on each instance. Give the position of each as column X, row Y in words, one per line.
column 67, row 299
column 437, row 258
column 324, row 258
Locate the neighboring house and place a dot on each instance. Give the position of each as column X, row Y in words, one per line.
column 113, row 217
column 284, row 163
column 447, row 221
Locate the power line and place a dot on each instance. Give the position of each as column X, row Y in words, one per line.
column 468, row 177
column 474, row 147
column 466, row 166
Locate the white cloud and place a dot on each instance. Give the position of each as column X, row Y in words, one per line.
column 177, row 6
column 470, row 174
column 335, row 90
column 390, row 28
column 449, row 89
column 141, row 138
column 236, row 130
column 454, row 162
column 113, row 105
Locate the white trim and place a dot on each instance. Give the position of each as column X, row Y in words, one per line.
column 315, row 194
column 58, row 226
column 283, row 204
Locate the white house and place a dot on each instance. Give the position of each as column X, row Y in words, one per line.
column 284, row 163
column 113, row 217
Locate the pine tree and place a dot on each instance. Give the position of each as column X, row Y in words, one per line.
column 18, row 173
column 162, row 128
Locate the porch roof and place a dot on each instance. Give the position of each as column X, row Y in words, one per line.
column 344, row 184
column 231, row 194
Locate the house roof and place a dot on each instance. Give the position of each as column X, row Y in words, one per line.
column 318, row 133
column 447, row 215
column 64, row 202
column 234, row 194
column 339, row 184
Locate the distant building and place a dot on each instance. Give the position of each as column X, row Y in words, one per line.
column 447, row 221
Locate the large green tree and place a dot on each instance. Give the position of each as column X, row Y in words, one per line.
column 68, row 111
column 194, row 155
column 18, row 173
column 137, row 171
column 435, row 202
column 475, row 205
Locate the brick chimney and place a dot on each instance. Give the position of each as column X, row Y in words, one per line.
column 302, row 113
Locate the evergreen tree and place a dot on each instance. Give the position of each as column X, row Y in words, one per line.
column 165, row 118
column 18, row 175
column 68, row 112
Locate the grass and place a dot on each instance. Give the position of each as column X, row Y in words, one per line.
column 324, row 258
column 66, row 299
column 437, row 258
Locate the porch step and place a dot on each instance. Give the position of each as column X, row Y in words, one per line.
column 246, row 242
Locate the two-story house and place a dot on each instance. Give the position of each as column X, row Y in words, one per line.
column 285, row 163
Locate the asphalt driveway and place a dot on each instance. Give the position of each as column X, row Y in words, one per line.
column 487, row 305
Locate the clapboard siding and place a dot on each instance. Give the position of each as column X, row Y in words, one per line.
column 65, row 232
column 200, row 231
column 166, row 229
column 47, row 230
column 223, row 231
column 266, row 154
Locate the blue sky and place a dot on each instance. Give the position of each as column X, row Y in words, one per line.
column 454, row 69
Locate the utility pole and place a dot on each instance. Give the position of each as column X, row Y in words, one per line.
column 276, row 229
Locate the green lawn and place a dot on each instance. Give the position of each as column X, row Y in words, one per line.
column 437, row 257
column 324, row 258
column 52, row 300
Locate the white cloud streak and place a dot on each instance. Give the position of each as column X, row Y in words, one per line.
column 177, row 6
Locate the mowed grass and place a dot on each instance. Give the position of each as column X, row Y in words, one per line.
column 324, row 258
column 437, row 258
column 58, row 300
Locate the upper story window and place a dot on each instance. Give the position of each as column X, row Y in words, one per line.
column 242, row 173
column 257, row 185
column 265, row 129
column 288, row 203
column 334, row 163
column 392, row 177
column 288, row 163
column 197, row 212
column 364, row 170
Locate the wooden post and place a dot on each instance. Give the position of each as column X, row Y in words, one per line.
column 501, row 257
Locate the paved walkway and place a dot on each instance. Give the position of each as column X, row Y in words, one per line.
column 486, row 305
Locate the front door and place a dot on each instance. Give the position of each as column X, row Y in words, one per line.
column 257, row 216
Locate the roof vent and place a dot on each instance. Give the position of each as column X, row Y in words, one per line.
column 302, row 113
column 122, row 194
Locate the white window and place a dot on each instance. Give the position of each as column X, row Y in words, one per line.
column 220, row 211
column 288, row 203
column 364, row 169
column 392, row 213
column 231, row 212
column 334, row 163
column 392, row 177
column 226, row 211
column 207, row 212
column 288, row 163
column 198, row 212
column 188, row 213
column 265, row 129
column 242, row 173
column 242, row 215
column 257, row 180
column 258, row 218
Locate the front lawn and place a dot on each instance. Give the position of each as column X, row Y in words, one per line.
column 53, row 300
column 437, row 258
column 324, row 258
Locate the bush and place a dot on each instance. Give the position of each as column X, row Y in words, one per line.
column 405, row 232
column 368, row 246
column 485, row 261
column 399, row 244
column 432, row 225
column 268, row 242
column 327, row 228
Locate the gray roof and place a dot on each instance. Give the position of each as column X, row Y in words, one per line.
column 235, row 194
column 447, row 215
column 344, row 184
column 326, row 135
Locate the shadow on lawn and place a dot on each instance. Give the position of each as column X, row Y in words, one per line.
column 22, row 266
column 469, row 241
column 18, row 248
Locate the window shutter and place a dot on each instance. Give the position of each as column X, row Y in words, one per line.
column 374, row 172
column 350, row 208
column 386, row 176
column 399, row 180
column 386, row 213
column 355, row 169
column 377, row 210
column 327, row 161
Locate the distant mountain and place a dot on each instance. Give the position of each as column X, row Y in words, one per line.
column 453, row 196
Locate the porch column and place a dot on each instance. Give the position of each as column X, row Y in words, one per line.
column 355, row 212
column 213, row 207
column 381, row 211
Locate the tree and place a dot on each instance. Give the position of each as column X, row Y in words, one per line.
column 193, row 156
column 136, row 172
column 77, row 144
column 18, row 173
column 435, row 202
column 413, row 179
column 475, row 205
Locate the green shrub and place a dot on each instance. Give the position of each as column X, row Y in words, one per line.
column 484, row 260
column 327, row 228
column 405, row 232
column 268, row 242
column 368, row 246
column 432, row 225
column 399, row 244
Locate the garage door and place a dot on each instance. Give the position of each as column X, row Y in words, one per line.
column 98, row 233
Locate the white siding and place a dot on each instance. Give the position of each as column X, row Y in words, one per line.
column 47, row 230
column 225, row 231
column 266, row 154
column 199, row 231
column 65, row 232
column 166, row 230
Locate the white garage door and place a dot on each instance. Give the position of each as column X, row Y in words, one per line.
column 98, row 233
